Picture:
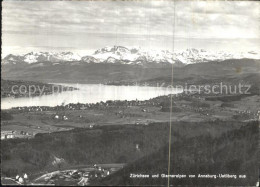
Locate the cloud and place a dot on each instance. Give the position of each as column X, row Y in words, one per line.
column 217, row 19
column 67, row 21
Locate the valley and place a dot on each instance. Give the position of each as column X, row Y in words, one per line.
column 66, row 142
column 130, row 93
column 118, row 132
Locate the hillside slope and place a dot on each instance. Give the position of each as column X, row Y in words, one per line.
column 235, row 152
column 105, row 72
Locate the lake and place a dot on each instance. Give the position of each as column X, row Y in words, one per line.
column 90, row 93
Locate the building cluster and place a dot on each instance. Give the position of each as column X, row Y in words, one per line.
column 105, row 105
column 81, row 106
column 61, row 117
column 22, row 180
column 33, row 108
column 15, row 134
column 247, row 114
column 81, row 177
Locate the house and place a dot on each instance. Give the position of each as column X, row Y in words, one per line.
column 24, row 133
column 85, row 175
column 137, row 147
column 25, row 176
column 91, row 126
column 20, row 180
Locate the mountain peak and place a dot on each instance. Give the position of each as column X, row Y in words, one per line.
column 131, row 55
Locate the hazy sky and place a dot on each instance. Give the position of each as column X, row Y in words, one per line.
column 83, row 26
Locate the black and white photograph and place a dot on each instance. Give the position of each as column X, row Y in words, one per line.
column 130, row 93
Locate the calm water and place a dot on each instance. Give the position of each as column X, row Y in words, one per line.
column 90, row 93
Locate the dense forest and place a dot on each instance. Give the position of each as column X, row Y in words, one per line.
column 234, row 152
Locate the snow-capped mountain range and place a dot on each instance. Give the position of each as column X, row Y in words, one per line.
column 124, row 55
column 35, row 57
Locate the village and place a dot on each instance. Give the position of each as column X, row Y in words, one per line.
column 80, row 176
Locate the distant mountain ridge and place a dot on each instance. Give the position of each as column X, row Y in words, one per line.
column 124, row 55
column 35, row 57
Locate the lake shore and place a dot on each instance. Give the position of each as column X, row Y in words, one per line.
column 26, row 89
